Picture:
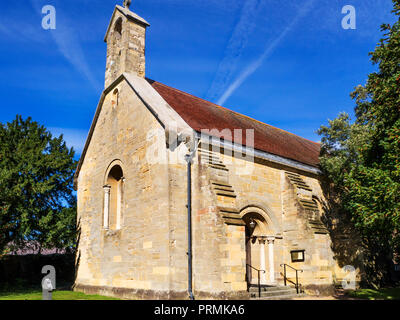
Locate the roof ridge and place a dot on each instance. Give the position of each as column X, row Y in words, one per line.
column 239, row 114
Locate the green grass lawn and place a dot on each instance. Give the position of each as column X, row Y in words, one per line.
column 371, row 294
column 32, row 294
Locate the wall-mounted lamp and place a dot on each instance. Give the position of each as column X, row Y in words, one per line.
column 252, row 224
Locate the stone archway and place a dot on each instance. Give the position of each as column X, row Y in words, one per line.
column 260, row 267
column 113, row 191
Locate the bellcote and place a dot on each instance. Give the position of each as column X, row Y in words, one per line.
column 125, row 38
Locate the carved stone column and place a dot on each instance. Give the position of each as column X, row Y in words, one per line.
column 271, row 259
column 106, row 213
column 261, row 241
column 119, row 203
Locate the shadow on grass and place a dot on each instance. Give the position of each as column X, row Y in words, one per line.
column 35, row 293
column 381, row 294
column 57, row 295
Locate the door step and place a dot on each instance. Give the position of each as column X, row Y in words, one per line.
column 273, row 293
column 282, row 297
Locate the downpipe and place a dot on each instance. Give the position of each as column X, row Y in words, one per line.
column 189, row 159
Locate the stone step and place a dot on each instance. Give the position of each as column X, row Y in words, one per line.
column 230, row 215
column 220, row 184
column 223, row 189
column 219, row 175
column 308, row 201
column 210, row 160
column 282, row 297
column 318, row 226
column 297, row 180
column 290, row 176
column 225, row 194
column 235, row 222
column 309, row 206
column 207, row 153
column 273, row 293
column 304, row 187
column 209, row 157
column 266, row 288
column 228, row 210
column 320, row 231
column 219, row 167
column 277, row 297
column 216, row 164
column 279, row 292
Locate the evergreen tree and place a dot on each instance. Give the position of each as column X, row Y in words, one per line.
column 362, row 159
column 37, row 202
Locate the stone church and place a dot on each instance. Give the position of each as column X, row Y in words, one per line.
column 180, row 198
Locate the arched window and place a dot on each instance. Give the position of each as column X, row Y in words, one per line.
column 113, row 191
column 115, row 98
column 118, row 28
column 116, row 47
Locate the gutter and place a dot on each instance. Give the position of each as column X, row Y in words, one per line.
column 239, row 148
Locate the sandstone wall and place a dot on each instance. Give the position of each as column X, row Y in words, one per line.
column 265, row 189
column 137, row 256
column 125, row 48
column 147, row 257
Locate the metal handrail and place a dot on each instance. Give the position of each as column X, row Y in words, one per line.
column 285, row 278
column 259, row 281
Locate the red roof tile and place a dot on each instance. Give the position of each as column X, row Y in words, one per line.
column 201, row 114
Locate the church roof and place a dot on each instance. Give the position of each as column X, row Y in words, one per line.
column 201, row 114
column 190, row 113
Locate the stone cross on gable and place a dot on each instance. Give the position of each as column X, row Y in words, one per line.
column 127, row 3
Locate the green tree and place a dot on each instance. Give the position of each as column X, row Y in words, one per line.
column 37, row 202
column 362, row 159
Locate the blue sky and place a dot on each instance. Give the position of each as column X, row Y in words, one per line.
column 287, row 63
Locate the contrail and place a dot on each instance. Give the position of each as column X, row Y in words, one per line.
column 269, row 49
column 70, row 48
column 235, row 47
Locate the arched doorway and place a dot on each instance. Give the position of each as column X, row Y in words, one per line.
column 260, row 255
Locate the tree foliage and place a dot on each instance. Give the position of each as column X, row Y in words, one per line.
column 37, row 202
column 362, row 159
